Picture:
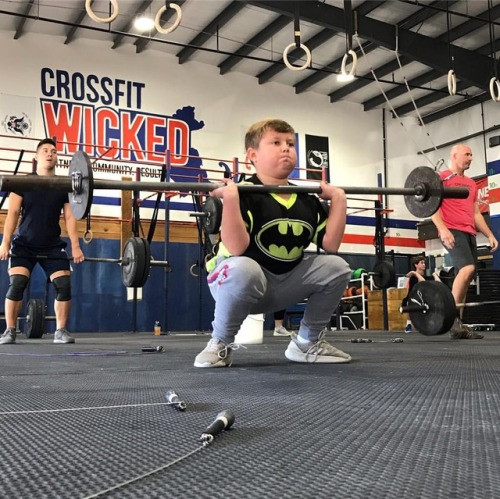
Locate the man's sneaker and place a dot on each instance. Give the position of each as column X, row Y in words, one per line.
column 281, row 331
column 62, row 336
column 216, row 354
column 320, row 352
column 461, row 331
column 408, row 328
column 8, row 337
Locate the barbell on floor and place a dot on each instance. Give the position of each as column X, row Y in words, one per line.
column 432, row 308
column 423, row 190
column 35, row 318
column 136, row 262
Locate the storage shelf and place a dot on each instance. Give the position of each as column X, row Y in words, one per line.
column 363, row 283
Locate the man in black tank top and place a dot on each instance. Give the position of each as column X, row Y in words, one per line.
column 39, row 233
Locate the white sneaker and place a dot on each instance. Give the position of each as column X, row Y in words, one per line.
column 281, row 331
column 215, row 354
column 320, row 352
column 9, row 337
column 62, row 336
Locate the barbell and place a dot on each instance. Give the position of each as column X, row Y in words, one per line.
column 383, row 276
column 136, row 262
column 423, row 190
column 34, row 326
column 432, row 308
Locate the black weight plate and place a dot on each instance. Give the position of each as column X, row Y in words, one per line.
column 441, row 312
column 424, row 206
column 384, row 275
column 212, row 208
column 35, row 318
column 81, row 202
column 146, row 263
column 136, row 267
column 130, row 264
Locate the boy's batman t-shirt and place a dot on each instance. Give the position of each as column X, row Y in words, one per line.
column 281, row 229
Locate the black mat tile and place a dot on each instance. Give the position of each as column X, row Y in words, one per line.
column 412, row 419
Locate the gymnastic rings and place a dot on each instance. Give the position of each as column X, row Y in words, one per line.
column 191, row 270
column 344, row 63
column 495, row 92
column 297, row 68
column 452, row 82
column 111, row 18
column 88, row 236
column 176, row 23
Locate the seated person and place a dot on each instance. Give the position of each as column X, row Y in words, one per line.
column 415, row 275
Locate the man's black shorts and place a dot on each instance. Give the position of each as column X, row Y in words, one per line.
column 56, row 258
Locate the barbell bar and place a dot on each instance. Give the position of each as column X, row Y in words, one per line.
column 135, row 262
column 423, row 190
column 121, row 261
column 432, row 308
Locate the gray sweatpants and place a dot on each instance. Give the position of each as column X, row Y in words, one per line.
column 240, row 286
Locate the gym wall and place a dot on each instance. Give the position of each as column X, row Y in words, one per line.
column 221, row 107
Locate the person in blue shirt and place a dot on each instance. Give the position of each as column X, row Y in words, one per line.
column 39, row 234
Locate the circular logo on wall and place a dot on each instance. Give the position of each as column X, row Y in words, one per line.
column 317, row 159
column 17, row 125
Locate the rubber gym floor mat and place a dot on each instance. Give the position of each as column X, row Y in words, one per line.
column 413, row 419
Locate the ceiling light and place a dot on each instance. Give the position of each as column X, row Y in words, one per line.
column 144, row 23
column 345, row 78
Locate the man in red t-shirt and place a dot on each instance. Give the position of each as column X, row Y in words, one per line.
column 458, row 221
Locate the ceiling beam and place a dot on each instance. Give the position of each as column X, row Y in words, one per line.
column 474, row 68
column 70, row 34
column 22, row 20
column 313, row 42
column 435, row 94
column 454, row 34
column 210, row 30
column 409, row 22
column 255, row 42
column 461, row 106
column 140, row 44
column 129, row 24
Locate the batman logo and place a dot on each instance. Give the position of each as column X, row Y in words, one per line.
column 284, row 239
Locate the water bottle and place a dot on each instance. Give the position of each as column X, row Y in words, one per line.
column 157, row 328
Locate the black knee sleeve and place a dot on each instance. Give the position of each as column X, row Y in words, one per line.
column 17, row 286
column 63, row 288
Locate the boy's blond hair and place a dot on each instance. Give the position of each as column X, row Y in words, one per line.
column 257, row 130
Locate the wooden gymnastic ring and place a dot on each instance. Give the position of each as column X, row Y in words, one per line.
column 88, row 236
column 354, row 63
column 176, row 23
column 291, row 66
column 452, row 82
column 97, row 19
